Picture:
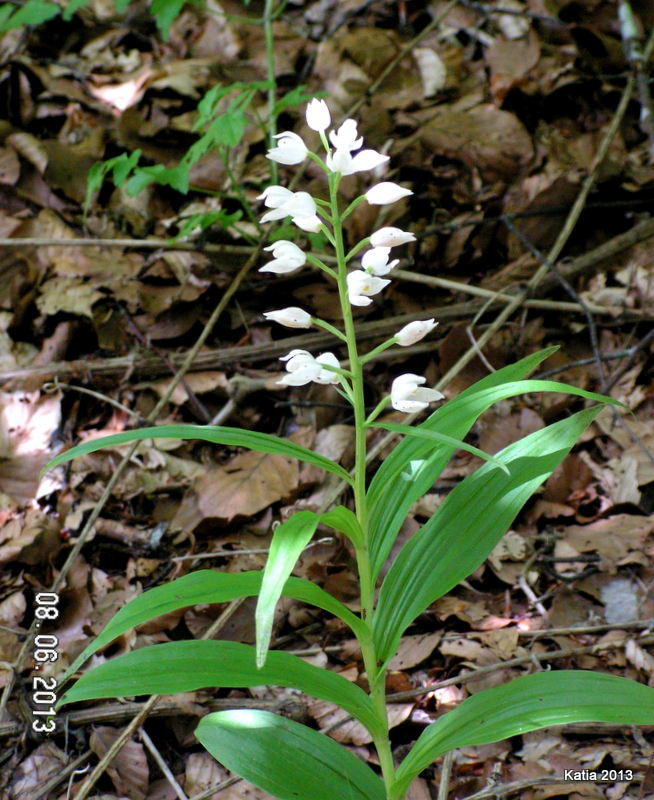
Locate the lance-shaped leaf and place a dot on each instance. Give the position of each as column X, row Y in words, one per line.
column 289, row 539
column 439, row 439
column 208, row 586
column 467, row 526
column 286, row 759
column 414, row 465
column 189, row 665
column 527, row 704
column 233, row 437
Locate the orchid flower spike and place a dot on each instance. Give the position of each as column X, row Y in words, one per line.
column 287, row 258
column 375, row 261
column 407, row 396
column 290, row 149
column 414, row 332
column 361, row 286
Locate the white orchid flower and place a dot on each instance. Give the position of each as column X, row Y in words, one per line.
column 386, row 192
column 391, row 237
column 275, row 196
column 408, row 396
column 361, row 286
column 414, row 332
column 342, row 161
column 345, row 138
column 287, row 257
column 290, row 149
column 304, row 368
column 291, row 317
column 375, row 261
column 296, row 204
column 318, row 116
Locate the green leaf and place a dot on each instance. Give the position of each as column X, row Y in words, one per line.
column 233, row 437
column 207, row 586
column 527, row 704
column 413, row 466
column 33, row 12
column 166, row 12
column 72, row 7
column 467, row 526
column 288, row 541
column 120, row 167
column 189, row 665
column 286, row 759
column 439, row 438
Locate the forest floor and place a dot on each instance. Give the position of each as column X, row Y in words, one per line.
column 522, row 128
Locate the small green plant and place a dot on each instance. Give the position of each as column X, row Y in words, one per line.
column 447, row 548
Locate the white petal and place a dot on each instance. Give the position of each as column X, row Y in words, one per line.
column 318, row 116
column 311, row 224
column 326, row 376
column 274, row 214
column 300, row 205
column 386, row 192
column 375, row 261
column 341, row 161
column 414, row 332
column 346, row 136
column 368, row 159
column 275, row 196
column 295, row 353
column 391, row 237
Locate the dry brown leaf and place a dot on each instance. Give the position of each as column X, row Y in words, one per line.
column 128, row 769
column 46, row 761
column 414, row 649
column 493, row 141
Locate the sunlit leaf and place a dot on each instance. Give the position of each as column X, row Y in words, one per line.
column 286, row 759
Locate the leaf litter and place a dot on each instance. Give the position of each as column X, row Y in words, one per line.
column 489, row 113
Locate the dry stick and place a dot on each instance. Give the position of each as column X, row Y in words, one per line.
column 367, row 330
column 152, row 417
column 501, row 790
column 446, row 771
column 156, row 755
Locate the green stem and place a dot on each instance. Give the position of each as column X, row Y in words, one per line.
column 376, row 677
column 268, row 18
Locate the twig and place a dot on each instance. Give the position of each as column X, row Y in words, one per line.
column 165, row 769
column 446, row 770
column 501, row 790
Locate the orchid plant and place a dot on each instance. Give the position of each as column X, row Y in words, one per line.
column 446, row 549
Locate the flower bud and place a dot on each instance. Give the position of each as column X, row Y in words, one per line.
column 391, row 237
column 414, row 332
column 386, row 192
column 318, row 116
column 291, row 317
